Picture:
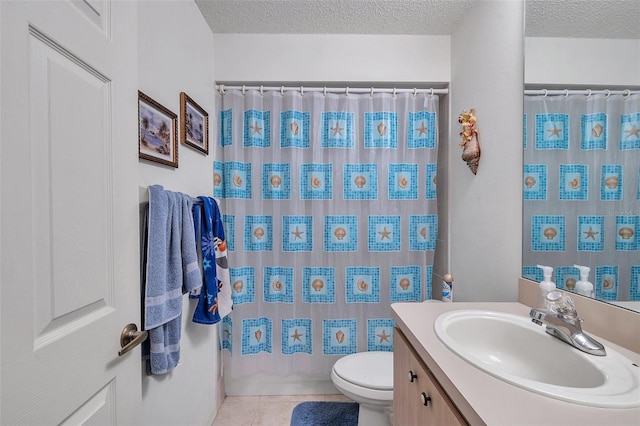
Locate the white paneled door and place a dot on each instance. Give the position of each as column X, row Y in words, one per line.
column 69, row 218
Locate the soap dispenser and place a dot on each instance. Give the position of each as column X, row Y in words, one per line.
column 546, row 285
column 584, row 286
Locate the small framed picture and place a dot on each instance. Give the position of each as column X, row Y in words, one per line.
column 157, row 132
column 194, row 131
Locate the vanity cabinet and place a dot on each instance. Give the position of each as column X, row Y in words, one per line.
column 418, row 399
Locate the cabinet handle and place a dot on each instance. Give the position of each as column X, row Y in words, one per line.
column 424, row 398
column 412, row 376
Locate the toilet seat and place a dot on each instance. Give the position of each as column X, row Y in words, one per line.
column 371, row 370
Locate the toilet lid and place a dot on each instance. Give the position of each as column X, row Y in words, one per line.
column 373, row 370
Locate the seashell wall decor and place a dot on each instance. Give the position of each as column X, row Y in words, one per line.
column 470, row 144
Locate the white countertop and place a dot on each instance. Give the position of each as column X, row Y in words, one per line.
column 482, row 398
column 634, row 305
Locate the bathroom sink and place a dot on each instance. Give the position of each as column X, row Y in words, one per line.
column 517, row 351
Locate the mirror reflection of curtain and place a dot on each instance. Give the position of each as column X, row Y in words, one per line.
column 581, row 191
column 329, row 205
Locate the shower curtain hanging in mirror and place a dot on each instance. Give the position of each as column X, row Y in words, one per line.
column 581, row 191
column 329, row 205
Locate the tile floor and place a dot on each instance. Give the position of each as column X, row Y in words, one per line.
column 264, row 410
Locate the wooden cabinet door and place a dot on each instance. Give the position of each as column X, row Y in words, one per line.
column 412, row 384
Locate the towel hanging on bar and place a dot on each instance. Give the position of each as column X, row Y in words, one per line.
column 214, row 297
column 171, row 270
column 216, row 302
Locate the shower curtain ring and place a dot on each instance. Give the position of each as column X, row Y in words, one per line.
column 566, row 92
column 415, row 92
column 394, row 92
column 431, row 93
column 608, row 93
column 545, row 93
column 346, row 92
column 221, row 89
column 301, row 90
column 372, row 92
column 261, row 92
column 588, row 93
column 627, row 93
column 325, row 90
column 243, row 89
column 282, row 90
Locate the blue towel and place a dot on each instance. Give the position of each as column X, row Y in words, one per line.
column 214, row 299
column 172, row 270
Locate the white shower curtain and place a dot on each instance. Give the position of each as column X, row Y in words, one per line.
column 581, row 190
column 329, row 205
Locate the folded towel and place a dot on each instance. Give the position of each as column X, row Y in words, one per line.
column 172, row 270
column 214, row 300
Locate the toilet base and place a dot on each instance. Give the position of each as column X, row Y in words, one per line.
column 368, row 416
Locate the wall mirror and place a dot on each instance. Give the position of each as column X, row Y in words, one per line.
column 581, row 174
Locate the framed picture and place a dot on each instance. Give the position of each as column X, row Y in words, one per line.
column 195, row 124
column 157, row 132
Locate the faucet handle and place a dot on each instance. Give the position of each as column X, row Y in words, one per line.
column 561, row 304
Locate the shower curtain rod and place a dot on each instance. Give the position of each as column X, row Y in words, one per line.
column 222, row 89
column 586, row 92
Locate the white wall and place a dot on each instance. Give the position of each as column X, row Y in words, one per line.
column 485, row 210
column 583, row 62
column 331, row 58
column 175, row 48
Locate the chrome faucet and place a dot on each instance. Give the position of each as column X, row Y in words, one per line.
column 562, row 321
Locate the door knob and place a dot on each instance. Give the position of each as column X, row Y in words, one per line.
column 130, row 338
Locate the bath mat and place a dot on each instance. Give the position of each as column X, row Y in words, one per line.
column 324, row 413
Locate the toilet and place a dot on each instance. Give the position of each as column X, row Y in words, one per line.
column 367, row 378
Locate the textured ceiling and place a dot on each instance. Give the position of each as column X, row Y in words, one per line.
column 434, row 17
column 549, row 18
column 583, row 18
